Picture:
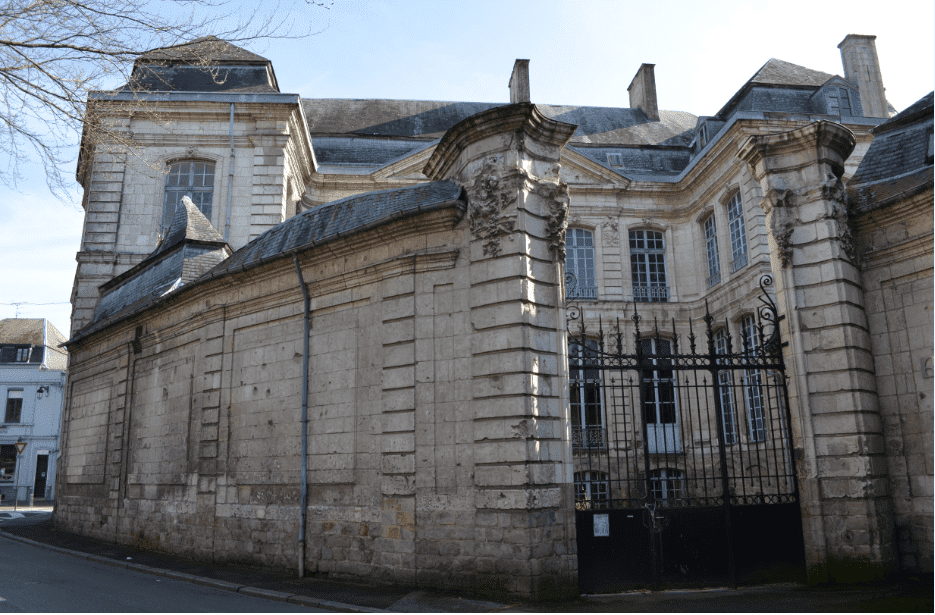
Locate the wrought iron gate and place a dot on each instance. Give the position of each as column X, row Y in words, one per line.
column 684, row 471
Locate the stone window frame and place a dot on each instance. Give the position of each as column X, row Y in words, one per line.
column 664, row 296
column 708, row 222
column 737, row 232
column 585, row 292
column 191, row 156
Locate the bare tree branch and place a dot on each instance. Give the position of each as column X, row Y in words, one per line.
column 54, row 53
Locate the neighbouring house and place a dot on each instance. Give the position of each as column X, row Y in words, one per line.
column 523, row 348
column 33, row 366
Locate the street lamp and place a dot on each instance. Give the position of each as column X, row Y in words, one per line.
column 20, row 447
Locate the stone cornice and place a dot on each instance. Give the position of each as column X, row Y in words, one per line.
column 831, row 142
column 519, row 117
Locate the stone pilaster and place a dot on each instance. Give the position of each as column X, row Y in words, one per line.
column 846, row 514
column 507, row 159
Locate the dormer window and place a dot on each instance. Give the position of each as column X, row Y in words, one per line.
column 615, row 160
column 191, row 178
column 840, row 102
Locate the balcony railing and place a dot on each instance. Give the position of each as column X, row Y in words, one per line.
column 581, row 292
column 714, row 279
column 588, row 438
column 651, row 294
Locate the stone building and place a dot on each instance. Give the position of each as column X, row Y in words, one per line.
column 397, row 288
column 32, row 385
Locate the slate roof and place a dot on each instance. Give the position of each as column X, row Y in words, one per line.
column 340, row 219
column 188, row 223
column 219, row 51
column 30, row 331
column 908, row 114
column 432, row 119
column 777, row 73
column 369, row 152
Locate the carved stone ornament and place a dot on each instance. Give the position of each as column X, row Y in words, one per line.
column 782, row 198
column 610, row 233
column 487, row 200
column 190, row 152
column 557, row 221
column 832, row 189
column 844, row 236
column 783, row 235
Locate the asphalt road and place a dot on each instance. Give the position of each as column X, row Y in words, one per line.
column 37, row 580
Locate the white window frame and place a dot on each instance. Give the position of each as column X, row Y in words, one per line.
column 13, row 395
column 668, row 485
column 711, row 251
column 728, row 407
column 738, row 232
column 580, row 261
column 592, row 487
column 648, row 271
column 586, row 398
column 202, row 195
column 753, row 383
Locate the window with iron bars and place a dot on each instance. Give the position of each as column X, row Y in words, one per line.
column 191, row 178
column 579, row 261
column 710, row 242
column 587, row 414
column 753, row 382
column 592, row 489
column 738, row 233
column 728, row 408
column 666, row 485
column 648, row 266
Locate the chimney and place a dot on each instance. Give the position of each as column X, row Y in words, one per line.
column 643, row 91
column 519, row 82
column 862, row 68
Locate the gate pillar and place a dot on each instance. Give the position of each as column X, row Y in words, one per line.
column 846, row 510
column 507, row 160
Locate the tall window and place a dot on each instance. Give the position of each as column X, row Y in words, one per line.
column 710, row 242
column 660, row 412
column 579, row 260
column 648, row 266
column 753, row 383
column 728, row 410
column 191, row 178
column 14, row 406
column 592, row 487
column 738, row 233
column 587, row 417
column 666, row 486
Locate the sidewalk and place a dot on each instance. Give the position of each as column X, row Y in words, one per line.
column 910, row 595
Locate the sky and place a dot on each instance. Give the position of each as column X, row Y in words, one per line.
column 581, row 53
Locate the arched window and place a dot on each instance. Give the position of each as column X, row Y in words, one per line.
column 666, row 485
column 191, row 178
column 587, row 416
column 738, row 233
column 592, row 490
column 579, row 260
column 648, row 266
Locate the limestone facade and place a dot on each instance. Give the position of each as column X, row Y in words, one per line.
column 439, row 441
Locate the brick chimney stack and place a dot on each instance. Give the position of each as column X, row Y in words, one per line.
column 643, row 91
column 519, row 82
column 862, row 68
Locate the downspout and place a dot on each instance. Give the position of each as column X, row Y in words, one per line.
column 303, row 489
column 230, row 180
column 45, row 344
